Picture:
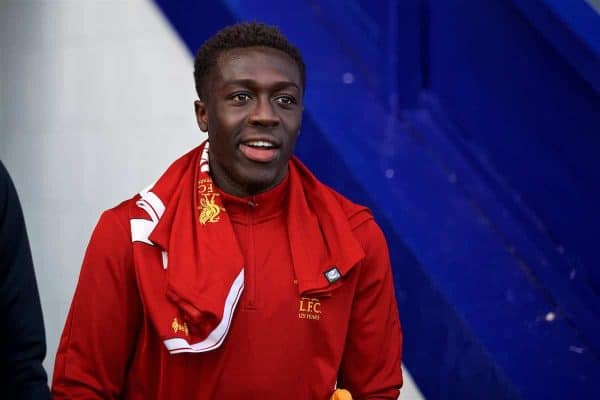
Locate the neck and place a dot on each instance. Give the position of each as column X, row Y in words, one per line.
column 230, row 186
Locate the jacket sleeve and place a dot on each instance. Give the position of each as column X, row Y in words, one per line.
column 22, row 339
column 103, row 323
column 371, row 364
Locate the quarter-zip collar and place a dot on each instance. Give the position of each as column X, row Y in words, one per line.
column 262, row 207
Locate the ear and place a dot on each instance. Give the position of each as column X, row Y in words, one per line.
column 201, row 115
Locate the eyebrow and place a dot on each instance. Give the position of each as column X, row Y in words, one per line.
column 252, row 82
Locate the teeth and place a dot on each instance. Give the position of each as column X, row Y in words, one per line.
column 260, row 143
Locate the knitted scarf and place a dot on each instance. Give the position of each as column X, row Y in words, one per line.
column 189, row 267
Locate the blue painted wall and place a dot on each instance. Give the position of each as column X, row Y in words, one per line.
column 534, row 117
column 472, row 131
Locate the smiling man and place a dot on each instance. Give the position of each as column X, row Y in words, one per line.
column 253, row 106
column 237, row 275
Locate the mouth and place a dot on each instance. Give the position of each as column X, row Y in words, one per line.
column 262, row 151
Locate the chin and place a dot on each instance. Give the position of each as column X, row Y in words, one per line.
column 256, row 183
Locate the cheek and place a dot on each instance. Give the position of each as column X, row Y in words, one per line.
column 292, row 127
column 226, row 122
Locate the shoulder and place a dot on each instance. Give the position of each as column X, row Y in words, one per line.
column 110, row 245
column 4, row 178
column 123, row 211
column 114, row 223
column 12, row 224
column 8, row 193
column 375, row 266
column 362, row 223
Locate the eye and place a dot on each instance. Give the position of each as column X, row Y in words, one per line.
column 285, row 100
column 240, row 97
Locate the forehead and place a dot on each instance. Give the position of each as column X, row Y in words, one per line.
column 256, row 63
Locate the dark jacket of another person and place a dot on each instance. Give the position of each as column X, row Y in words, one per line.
column 22, row 339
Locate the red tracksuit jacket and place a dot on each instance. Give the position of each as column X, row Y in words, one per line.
column 280, row 345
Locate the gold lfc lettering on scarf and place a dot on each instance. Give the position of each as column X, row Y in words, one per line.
column 309, row 309
column 178, row 327
column 209, row 209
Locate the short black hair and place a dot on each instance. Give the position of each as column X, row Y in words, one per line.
column 243, row 34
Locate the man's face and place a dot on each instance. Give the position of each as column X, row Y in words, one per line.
column 253, row 113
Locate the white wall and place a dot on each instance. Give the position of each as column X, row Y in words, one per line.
column 96, row 100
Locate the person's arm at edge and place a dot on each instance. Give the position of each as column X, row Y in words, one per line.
column 103, row 323
column 371, row 365
column 22, row 340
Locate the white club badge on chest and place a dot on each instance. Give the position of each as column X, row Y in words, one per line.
column 332, row 275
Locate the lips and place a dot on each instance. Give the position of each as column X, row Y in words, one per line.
column 262, row 151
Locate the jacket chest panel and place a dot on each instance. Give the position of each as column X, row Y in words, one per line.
column 268, row 268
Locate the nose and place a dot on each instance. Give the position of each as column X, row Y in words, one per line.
column 263, row 114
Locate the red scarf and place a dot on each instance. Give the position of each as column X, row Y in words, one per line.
column 189, row 267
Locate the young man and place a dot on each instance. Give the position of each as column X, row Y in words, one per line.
column 237, row 275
